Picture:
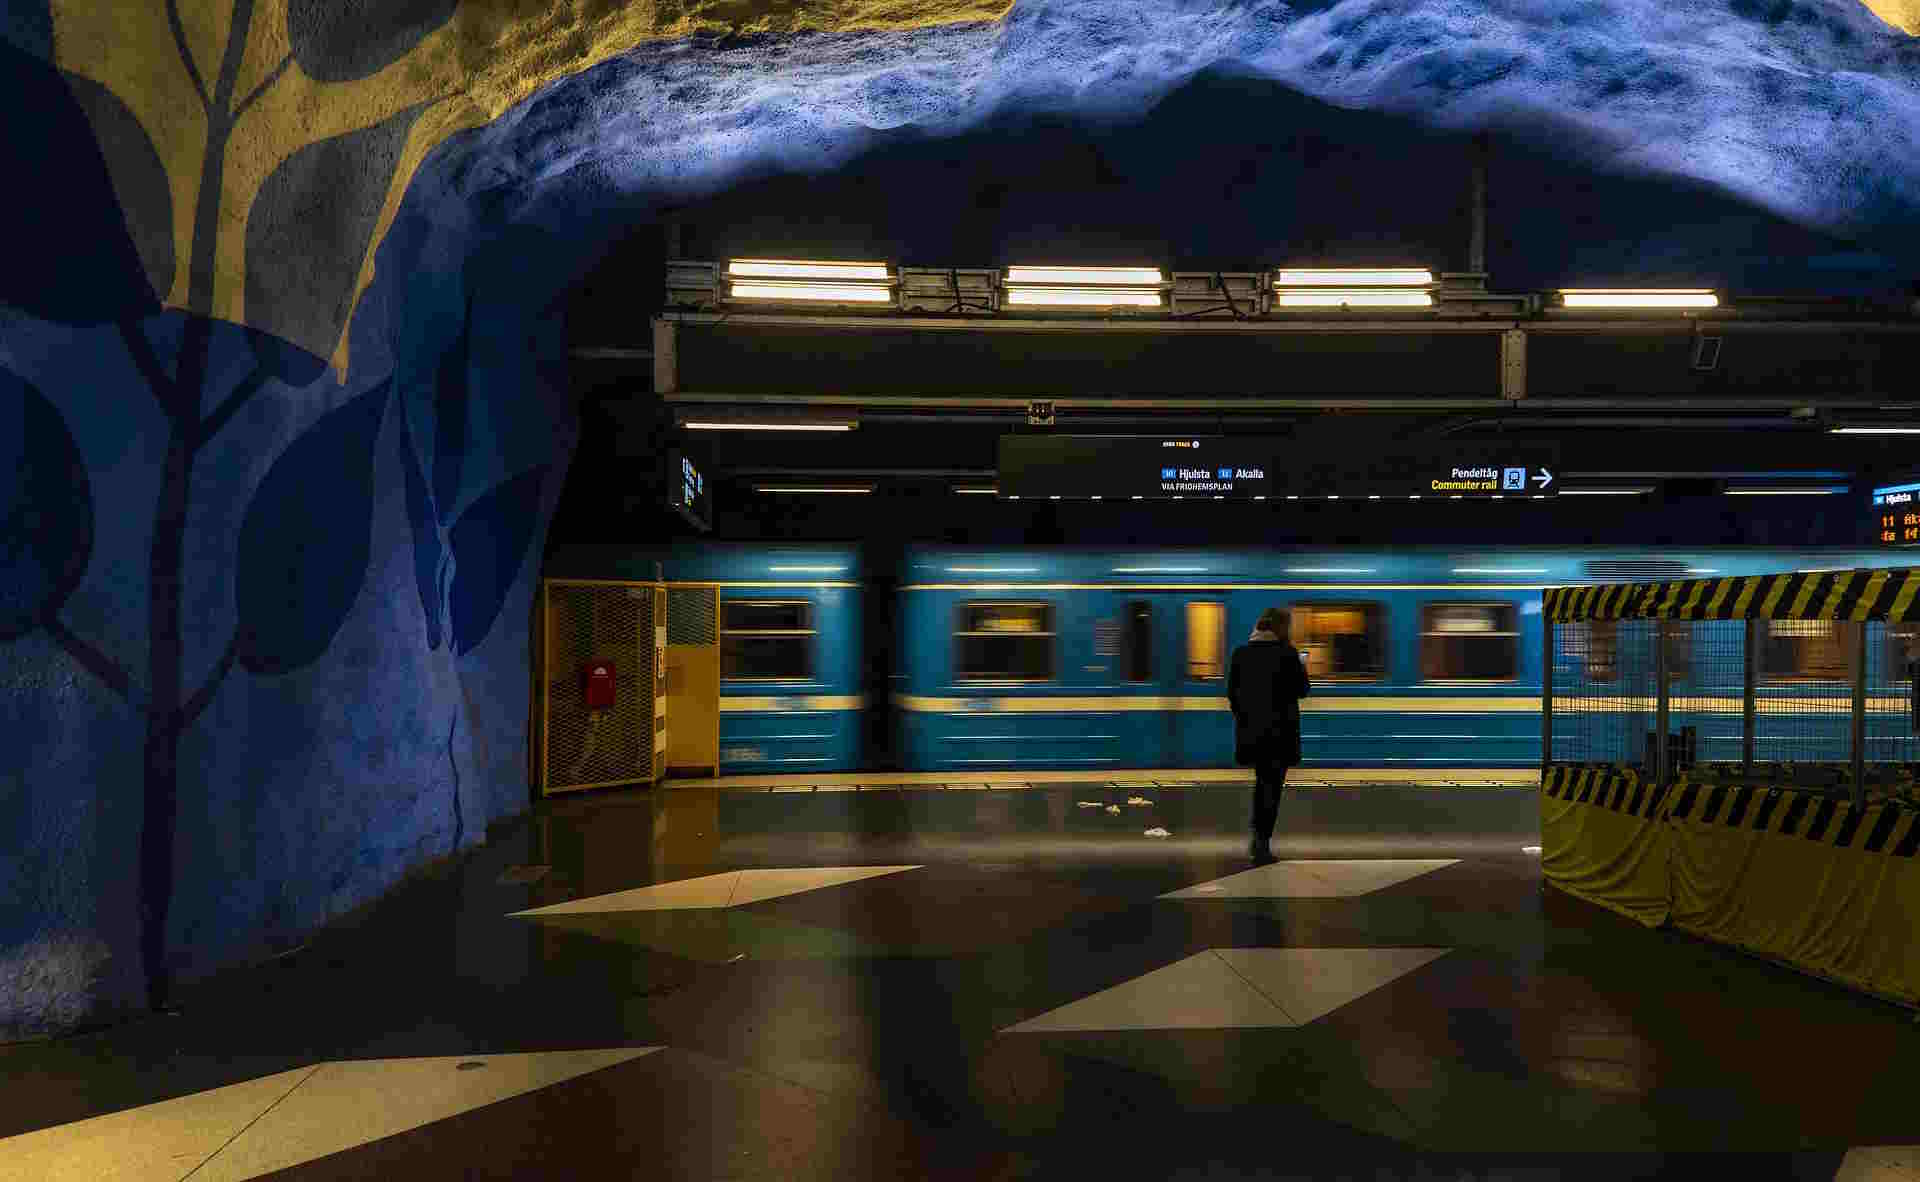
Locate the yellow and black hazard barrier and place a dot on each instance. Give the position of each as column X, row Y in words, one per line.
column 1800, row 595
column 1601, row 839
column 1801, row 877
column 1817, row 882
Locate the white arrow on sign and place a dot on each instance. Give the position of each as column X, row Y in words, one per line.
column 1544, row 479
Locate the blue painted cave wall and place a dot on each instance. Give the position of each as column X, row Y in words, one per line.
column 357, row 564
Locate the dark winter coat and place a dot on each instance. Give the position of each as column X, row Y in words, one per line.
column 1265, row 682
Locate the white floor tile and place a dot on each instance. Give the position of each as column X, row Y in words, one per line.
column 165, row 1140
column 712, row 890
column 759, row 885
column 1312, row 880
column 1310, row 983
column 1199, row 993
column 735, row 888
column 342, row 1105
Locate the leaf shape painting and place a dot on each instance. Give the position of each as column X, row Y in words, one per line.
column 46, row 509
column 75, row 262
column 306, row 538
column 340, row 40
column 489, row 544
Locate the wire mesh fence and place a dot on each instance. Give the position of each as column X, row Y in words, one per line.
column 608, row 626
column 1814, row 703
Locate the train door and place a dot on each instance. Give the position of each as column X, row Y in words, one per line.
column 1201, row 728
column 1176, row 661
column 1150, row 640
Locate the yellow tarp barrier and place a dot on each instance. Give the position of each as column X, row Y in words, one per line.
column 1801, row 878
column 1602, row 839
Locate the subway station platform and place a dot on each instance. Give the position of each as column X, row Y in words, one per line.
column 1037, row 978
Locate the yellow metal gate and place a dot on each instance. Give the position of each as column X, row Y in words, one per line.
column 693, row 677
column 593, row 624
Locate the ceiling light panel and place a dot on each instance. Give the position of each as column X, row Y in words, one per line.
column 1637, row 297
column 803, row 281
column 1353, row 277
column 1353, row 297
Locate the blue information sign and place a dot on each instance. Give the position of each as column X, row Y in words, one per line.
column 1895, row 514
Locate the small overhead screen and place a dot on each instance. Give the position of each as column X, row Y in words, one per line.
column 688, row 493
column 1153, row 467
column 1893, row 512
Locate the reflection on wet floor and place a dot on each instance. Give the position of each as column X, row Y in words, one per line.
column 696, row 982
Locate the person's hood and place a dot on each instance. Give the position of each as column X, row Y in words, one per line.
column 1260, row 634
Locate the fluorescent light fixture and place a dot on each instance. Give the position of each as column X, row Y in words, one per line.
column 1633, row 491
column 1354, row 299
column 1333, row 496
column 1293, row 496
column 800, row 280
column 1703, row 570
column 991, row 570
column 1874, row 431
column 1353, row 277
column 1054, row 497
column 1826, row 491
column 813, row 488
column 1078, row 275
column 1638, row 297
column 1529, row 849
column 832, row 293
column 1084, row 287
column 1331, row 570
column 785, row 269
column 967, row 491
column 1499, row 570
column 1096, row 498
column 1373, row 496
column 1260, row 496
column 763, row 425
column 809, row 570
column 1413, row 496
column 1082, row 297
column 1138, row 497
column 1013, row 497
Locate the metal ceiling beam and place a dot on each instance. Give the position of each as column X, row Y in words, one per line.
column 1537, row 405
column 1413, row 325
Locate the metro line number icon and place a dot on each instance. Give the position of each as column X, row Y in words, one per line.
column 1512, row 479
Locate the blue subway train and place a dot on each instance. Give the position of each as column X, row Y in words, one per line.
column 960, row 659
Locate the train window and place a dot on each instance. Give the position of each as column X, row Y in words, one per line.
column 766, row 640
column 1804, row 650
column 1139, row 641
column 1598, row 642
column 1206, row 641
column 1003, row 642
column 1469, row 642
column 1342, row 642
column 1603, row 649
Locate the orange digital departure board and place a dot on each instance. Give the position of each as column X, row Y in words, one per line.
column 1896, row 514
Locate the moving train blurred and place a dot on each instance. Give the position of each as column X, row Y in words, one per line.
column 1046, row 658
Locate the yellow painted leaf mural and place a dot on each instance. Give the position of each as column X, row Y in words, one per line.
column 229, row 95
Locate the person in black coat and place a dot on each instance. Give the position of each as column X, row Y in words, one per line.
column 1265, row 682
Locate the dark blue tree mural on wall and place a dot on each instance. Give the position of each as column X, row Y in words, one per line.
column 302, row 546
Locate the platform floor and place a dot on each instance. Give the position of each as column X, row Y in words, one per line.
column 1005, row 983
